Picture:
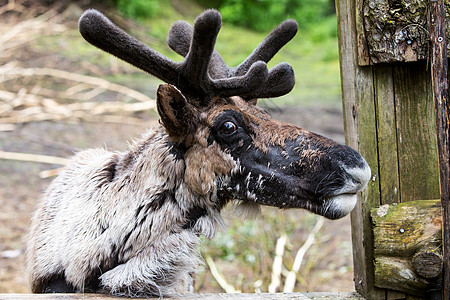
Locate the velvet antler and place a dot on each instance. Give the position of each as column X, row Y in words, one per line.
column 280, row 79
column 196, row 77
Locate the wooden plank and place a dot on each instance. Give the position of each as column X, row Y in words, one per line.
column 416, row 142
column 405, row 228
column 439, row 75
column 416, row 138
column 364, row 115
column 363, row 49
column 386, row 134
column 396, row 273
column 387, row 143
column 360, row 127
column 389, row 120
column 408, row 242
column 237, row 296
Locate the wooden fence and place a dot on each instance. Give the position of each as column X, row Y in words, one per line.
column 387, row 88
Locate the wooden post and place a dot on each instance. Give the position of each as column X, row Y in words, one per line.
column 439, row 72
column 360, row 127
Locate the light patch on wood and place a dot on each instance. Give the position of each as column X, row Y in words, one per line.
column 382, row 210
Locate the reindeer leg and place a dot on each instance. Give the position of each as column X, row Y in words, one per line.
column 164, row 268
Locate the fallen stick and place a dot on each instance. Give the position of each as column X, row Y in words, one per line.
column 7, row 127
column 99, row 82
column 277, row 264
column 54, row 160
column 292, row 275
column 37, row 108
column 50, row 173
column 218, row 277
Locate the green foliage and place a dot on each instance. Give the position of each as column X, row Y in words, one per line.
column 259, row 15
column 263, row 15
column 324, row 29
column 138, row 9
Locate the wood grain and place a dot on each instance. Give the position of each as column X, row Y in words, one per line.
column 236, row 296
column 408, row 238
column 360, row 128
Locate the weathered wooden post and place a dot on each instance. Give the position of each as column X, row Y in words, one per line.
column 439, row 75
column 389, row 117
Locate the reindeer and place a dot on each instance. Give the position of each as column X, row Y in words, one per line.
column 129, row 223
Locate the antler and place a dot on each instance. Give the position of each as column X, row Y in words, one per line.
column 193, row 76
column 280, row 79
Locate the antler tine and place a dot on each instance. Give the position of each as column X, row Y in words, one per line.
column 279, row 81
column 242, row 85
column 198, row 61
column 190, row 76
column 179, row 40
column 267, row 49
column 179, row 37
column 102, row 33
column 206, row 29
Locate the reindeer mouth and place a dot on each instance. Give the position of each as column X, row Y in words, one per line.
column 333, row 207
column 344, row 200
column 339, row 206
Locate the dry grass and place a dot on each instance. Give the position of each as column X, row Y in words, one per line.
column 77, row 100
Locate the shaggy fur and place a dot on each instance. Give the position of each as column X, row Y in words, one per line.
column 127, row 225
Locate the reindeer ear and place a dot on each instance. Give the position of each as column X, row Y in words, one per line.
column 177, row 115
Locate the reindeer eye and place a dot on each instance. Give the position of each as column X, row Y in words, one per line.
column 228, row 127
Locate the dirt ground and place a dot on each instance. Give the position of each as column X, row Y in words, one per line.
column 21, row 184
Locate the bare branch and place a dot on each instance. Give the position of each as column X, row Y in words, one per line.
column 277, row 264
column 101, row 83
column 292, row 275
column 33, row 158
column 218, row 277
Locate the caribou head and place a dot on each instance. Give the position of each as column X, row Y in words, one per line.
column 229, row 144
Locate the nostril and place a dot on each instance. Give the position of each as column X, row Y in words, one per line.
column 361, row 176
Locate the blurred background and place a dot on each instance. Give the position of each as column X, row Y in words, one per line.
column 59, row 94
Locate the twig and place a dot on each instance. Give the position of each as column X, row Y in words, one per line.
column 112, row 119
column 50, row 173
column 7, row 127
column 37, row 108
column 277, row 264
column 99, row 82
column 292, row 275
column 218, row 277
column 12, row 36
column 54, row 160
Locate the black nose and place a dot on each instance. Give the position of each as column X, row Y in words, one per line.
column 356, row 171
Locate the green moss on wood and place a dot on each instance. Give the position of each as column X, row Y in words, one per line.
column 402, row 229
